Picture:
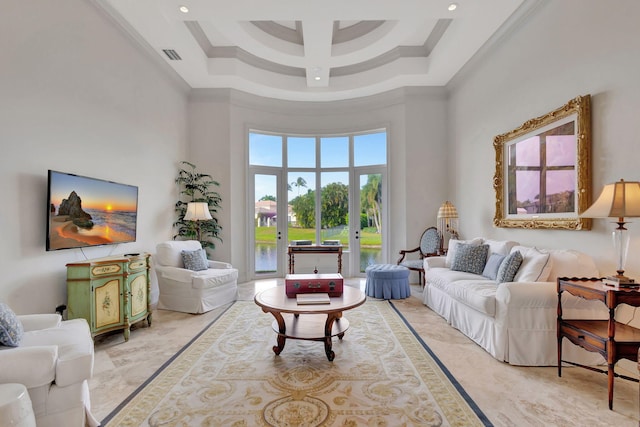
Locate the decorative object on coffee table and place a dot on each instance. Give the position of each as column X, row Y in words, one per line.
column 618, row 200
column 331, row 284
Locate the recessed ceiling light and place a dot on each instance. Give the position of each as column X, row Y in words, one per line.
column 317, row 77
column 183, row 9
column 453, row 6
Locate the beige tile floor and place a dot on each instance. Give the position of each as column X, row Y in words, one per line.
column 508, row 395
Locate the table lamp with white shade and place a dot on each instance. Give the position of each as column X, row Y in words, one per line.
column 197, row 211
column 618, row 200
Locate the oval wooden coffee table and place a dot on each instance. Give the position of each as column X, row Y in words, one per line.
column 313, row 322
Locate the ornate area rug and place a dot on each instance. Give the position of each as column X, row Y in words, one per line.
column 382, row 375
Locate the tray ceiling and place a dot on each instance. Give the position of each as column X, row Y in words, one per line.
column 314, row 51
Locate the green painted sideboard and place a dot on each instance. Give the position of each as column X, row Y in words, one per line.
column 111, row 293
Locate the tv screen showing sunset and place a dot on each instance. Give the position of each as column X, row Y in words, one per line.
column 87, row 211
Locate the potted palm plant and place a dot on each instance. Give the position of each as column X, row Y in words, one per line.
column 197, row 187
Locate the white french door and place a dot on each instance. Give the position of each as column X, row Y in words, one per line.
column 368, row 223
column 269, row 226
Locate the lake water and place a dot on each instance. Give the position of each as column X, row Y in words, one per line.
column 266, row 258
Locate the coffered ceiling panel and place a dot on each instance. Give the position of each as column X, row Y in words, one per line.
column 314, row 50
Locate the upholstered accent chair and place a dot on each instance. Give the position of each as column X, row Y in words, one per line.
column 429, row 246
column 189, row 282
column 53, row 359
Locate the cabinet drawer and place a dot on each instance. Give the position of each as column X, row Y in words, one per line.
column 583, row 338
column 105, row 270
column 138, row 265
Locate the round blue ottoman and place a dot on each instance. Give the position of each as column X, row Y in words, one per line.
column 387, row 281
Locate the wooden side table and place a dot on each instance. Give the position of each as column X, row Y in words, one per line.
column 613, row 340
column 313, row 249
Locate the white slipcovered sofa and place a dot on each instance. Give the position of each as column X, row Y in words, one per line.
column 515, row 321
column 54, row 361
column 192, row 291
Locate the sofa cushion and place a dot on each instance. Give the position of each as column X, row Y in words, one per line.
column 213, row 278
column 195, row 260
column 493, row 264
column 470, row 258
column 11, row 330
column 470, row 289
column 441, row 277
column 477, row 294
column 535, row 267
column 509, row 267
column 453, row 248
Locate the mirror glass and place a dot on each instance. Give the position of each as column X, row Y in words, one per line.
column 542, row 177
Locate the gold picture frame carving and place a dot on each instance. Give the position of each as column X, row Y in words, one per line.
column 559, row 210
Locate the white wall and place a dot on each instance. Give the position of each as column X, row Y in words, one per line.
column 78, row 96
column 415, row 119
column 566, row 48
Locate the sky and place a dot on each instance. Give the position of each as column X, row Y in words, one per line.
column 561, row 151
column 267, row 150
column 94, row 193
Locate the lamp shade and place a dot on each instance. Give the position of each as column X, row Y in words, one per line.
column 197, row 211
column 447, row 210
column 618, row 200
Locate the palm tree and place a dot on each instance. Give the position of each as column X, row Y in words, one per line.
column 300, row 182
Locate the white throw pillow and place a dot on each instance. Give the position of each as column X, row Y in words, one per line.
column 453, row 245
column 500, row 247
column 536, row 265
column 571, row 263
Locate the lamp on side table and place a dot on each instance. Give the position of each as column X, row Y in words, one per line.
column 618, row 200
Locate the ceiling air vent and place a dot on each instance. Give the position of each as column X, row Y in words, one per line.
column 172, row 54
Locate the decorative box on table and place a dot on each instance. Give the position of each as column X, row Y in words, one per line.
column 331, row 284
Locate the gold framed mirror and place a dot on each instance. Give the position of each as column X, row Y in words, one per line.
column 543, row 170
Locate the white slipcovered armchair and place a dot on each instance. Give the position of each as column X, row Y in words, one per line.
column 190, row 291
column 54, row 361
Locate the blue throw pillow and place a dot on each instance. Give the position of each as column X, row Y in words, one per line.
column 493, row 264
column 470, row 258
column 509, row 267
column 195, row 260
column 11, row 329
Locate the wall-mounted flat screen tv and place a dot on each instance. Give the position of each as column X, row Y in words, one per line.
column 84, row 211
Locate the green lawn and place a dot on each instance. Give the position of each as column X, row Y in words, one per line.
column 368, row 237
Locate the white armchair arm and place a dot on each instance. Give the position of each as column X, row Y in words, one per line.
column 174, row 273
column 219, row 264
column 31, row 366
column 33, row 322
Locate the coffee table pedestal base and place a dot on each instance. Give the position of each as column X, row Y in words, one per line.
column 309, row 327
